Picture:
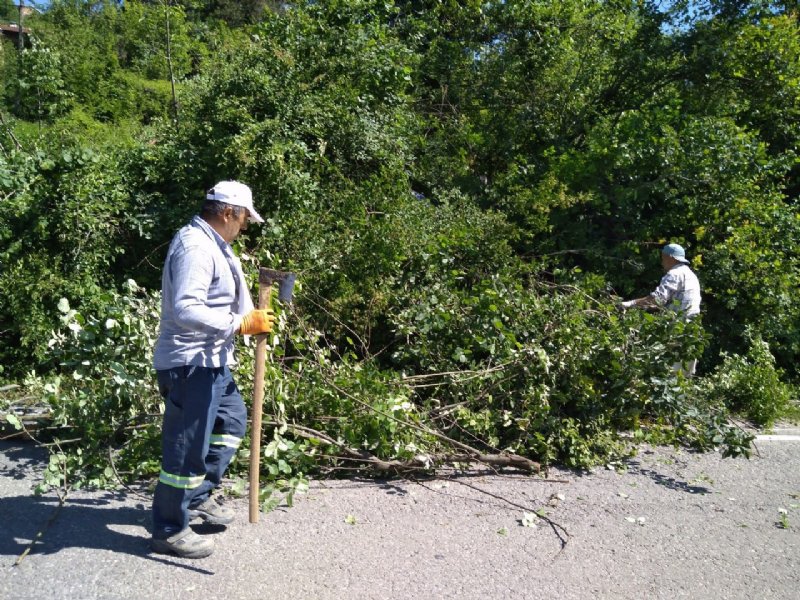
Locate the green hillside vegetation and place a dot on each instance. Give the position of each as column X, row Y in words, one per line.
column 466, row 189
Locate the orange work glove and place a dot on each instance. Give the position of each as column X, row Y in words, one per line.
column 257, row 321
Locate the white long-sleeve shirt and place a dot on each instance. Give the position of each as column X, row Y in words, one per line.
column 679, row 290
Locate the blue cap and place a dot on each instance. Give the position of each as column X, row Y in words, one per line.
column 676, row 251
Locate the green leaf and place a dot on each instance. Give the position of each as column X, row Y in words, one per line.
column 14, row 421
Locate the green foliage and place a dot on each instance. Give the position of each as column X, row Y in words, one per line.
column 141, row 31
column 103, row 398
column 106, row 63
column 708, row 184
column 755, row 76
column 751, row 384
column 58, row 221
column 353, row 402
column 89, row 63
column 548, row 372
column 85, row 131
column 313, row 112
column 36, row 83
column 235, row 13
column 152, row 97
column 8, row 11
column 554, row 391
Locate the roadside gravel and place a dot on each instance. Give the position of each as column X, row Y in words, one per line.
column 665, row 524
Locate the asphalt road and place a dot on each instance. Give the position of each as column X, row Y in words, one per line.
column 666, row 524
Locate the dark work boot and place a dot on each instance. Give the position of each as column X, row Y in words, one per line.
column 212, row 512
column 186, row 544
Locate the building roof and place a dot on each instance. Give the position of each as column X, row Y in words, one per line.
column 13, row 28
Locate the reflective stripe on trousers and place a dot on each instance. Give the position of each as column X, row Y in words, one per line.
column 204, row 422
column 231, row 441
column 184, row 483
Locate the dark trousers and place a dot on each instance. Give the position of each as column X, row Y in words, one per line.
column 204, row 423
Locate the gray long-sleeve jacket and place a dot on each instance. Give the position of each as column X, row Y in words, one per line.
column 203, row 298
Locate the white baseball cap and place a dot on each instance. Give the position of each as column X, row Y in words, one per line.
column 235, row 194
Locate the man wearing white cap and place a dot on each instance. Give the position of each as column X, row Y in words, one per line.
column 204, row 303
column 678, row 290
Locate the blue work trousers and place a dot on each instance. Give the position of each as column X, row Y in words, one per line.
column 204, row 423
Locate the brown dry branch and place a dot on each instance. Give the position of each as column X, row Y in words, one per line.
column 422, row 462
column 464, row 375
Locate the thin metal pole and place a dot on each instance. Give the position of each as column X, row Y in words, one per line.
column 20, row 47
column 20, row 43
column 169, row 65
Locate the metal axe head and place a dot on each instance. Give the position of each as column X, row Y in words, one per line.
column 285, row 280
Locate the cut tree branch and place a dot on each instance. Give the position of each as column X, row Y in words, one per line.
column 421, row 462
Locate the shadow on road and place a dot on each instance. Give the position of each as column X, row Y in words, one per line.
column 21, row 459
column 668, row 482
column 79, row 523
column 98, row 522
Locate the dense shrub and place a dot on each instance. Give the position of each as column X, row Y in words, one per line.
column 751, row 384
column 59, row 220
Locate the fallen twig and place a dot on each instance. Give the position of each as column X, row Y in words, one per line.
column 63, row 493
column 119, row 479
column 61, row 501
column 560, row 531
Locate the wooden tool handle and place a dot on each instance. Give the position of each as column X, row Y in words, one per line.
column 264, row 292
